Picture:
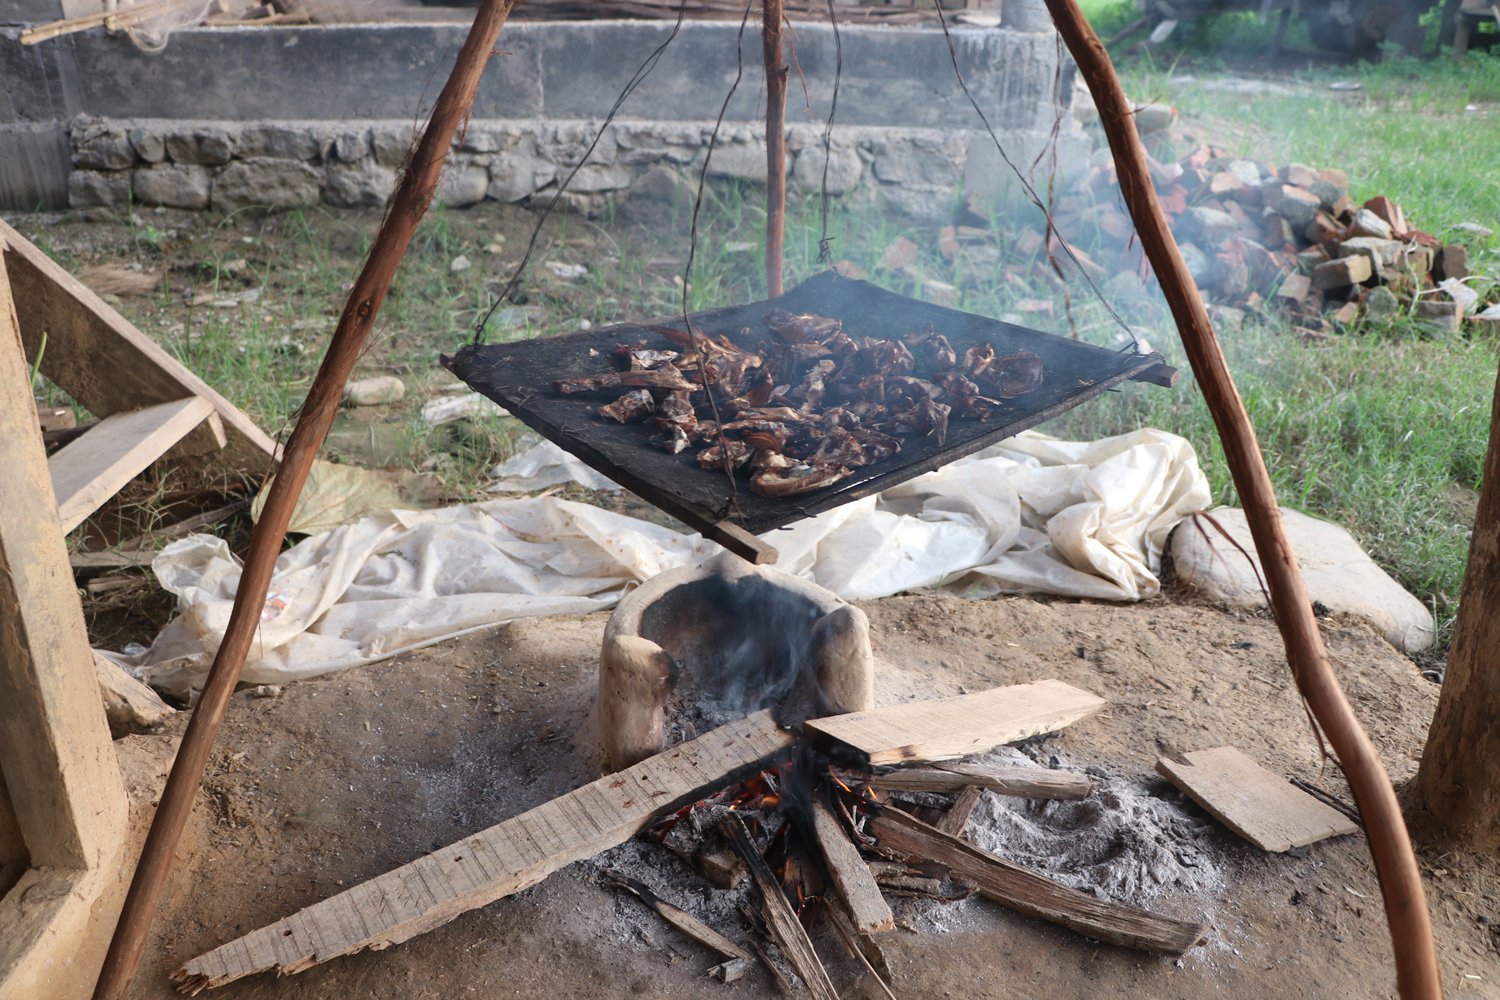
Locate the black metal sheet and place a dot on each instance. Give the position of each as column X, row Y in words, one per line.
column 520, row 375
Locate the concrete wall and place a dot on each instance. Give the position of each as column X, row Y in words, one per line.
column 228, row 117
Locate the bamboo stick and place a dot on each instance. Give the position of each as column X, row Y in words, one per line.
column 111, row 19
column 776, row 78
column 412, row 197
column 1396, row 866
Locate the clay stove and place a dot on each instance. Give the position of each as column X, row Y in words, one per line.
column 734, row 636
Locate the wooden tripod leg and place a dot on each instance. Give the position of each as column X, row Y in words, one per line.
column 776, row 77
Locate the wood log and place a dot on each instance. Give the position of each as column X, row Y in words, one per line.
column 850, row 875
column 949, row 728
column 1417, row 972
column 1006, row 779
column 1457, row 791
column 494, row 863
column 782, row 923
column 1032, row 893
column 128, row 704
column 408, row 204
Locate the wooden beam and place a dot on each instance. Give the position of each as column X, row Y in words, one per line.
column 1033, row 893
column 59, row 765
column 90, row 470
column 1264, row 808
column 949, row 728
column 494, row 863
column 66, row 797
column 1006, row 779
column 851, row 875
column 96, row 356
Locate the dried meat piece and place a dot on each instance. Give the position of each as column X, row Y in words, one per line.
column 727, row 453
column 638, row 357
column 665, row 377
column 800, row 478
column 802, row 328
column 629, row 408
column 1015, row 374
column 674, row 438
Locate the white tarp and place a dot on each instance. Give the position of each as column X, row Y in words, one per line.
column 1083, row 519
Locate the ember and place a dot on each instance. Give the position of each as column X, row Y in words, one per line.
column 810, row 403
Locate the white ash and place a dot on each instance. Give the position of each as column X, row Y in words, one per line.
column 670, row 878
column 1123, row 841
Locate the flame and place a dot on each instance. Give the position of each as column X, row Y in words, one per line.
column 840, row 782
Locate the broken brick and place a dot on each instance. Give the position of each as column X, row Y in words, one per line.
column 1451, row 261
column 1342, row 273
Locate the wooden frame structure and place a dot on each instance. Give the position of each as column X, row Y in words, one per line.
column 64, row 831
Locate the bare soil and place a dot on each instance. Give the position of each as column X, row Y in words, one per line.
column 340, row 779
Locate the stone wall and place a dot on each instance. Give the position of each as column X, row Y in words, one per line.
column 227, row 118
column 225, row 166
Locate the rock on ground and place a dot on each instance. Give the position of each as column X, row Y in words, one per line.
column 1339, row 574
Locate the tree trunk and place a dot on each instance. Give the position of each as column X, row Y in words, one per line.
column 1457, row 791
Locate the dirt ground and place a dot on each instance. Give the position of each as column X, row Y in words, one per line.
column 345, row 777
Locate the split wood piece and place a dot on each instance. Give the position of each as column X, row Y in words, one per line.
column 786, row 930
column 678, row 917
column 90, row 470
column 851, row 876
column 1006, row 779
column 128, row 704
column 414, row 193
column 1417, row 973
column 497, row 862
column 1264, row 808
column 956, row 820
column 855, row 945
column 731, row 971
column 950, row 728
column 108, row 366
column 1032, row 893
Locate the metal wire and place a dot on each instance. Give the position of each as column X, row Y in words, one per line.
column 687, row 271
column 825, row 242
column 643, row 71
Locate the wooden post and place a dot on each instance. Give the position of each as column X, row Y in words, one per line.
column 1457, row 792
column 413, row 195
column 1396, row 866
column 776, row 77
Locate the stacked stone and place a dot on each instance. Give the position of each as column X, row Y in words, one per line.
column 228, row 166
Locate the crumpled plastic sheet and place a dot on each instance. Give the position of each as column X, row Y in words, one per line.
column 1032, row 514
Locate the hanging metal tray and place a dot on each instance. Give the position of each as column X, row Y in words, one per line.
column 520, row 375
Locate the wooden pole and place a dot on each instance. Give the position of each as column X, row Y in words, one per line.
column 407, row 207
column 1456, row 796
column 776, row 78
column 1401, row 885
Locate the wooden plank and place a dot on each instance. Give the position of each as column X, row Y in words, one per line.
column 90, row 470
column 96, row 356
column 12, row 845
column 950, row 728
column 851, row 876
column 497, row 862
column 1006, row 779
column 1264, row 808
column 1033, row 893
column 786, row 930
column 58, row 763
